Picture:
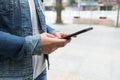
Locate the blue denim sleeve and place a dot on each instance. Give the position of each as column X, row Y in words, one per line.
column 33, row 44
column 50, row 30
column 16, row 47
column 11, row 46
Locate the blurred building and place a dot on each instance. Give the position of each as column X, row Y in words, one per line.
column 88, row 4
column 84, row 4
column 107, row 4
column 50, row 4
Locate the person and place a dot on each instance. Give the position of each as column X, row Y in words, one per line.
column 26, row 40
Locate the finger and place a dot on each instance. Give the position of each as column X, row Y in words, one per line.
column 59, row 35
column 52, row 50
column 64, row 34
column 74, row 36
column 68, row 40
column 50, row 35
column 63, row 43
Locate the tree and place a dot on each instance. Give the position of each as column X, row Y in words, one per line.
column 71, row 2
column 118, row 11
column 59, row 11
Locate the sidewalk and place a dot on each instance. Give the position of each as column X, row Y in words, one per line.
column 94, row 55
column 58, row 75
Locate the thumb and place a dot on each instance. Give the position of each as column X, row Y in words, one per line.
column 50, row 35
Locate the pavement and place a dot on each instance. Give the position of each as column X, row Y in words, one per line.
column 94, row 55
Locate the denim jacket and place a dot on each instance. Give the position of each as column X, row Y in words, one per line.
column 17, row 45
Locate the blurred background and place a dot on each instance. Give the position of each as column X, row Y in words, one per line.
column 94, row 55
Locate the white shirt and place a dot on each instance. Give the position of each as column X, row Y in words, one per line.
column 38, row 60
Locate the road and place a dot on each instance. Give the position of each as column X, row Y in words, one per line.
column 94, row 55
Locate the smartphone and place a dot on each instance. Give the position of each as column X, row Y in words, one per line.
column 78, row 32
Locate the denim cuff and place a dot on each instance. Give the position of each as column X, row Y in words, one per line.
column 54, row 31
column 33, row 44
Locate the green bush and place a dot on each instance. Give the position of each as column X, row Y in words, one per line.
column 71, row 2
column 63, row 8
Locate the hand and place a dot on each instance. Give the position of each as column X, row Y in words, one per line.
column 50, row 43
column 61, row 34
